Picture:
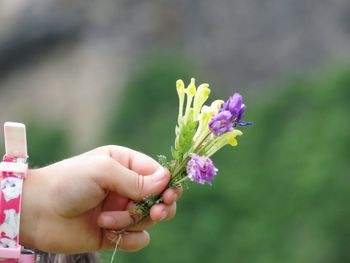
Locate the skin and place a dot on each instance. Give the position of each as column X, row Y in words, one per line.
column 74, row 205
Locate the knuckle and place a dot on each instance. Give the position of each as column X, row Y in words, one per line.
column 139, row 186
column 105, row 163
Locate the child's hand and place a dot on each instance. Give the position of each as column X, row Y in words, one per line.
column 68, row 206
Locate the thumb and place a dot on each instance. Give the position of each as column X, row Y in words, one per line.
column 135, row 186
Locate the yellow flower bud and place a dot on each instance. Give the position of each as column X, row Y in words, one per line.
column 226, row 138
column 180, row 87
column 191, row 88
column 216, row 105
column 230, row 137
column 200, row 97
column 204, row 118
column 190, row 92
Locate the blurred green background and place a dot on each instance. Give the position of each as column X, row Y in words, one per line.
column 280, row 196
column 82, row 74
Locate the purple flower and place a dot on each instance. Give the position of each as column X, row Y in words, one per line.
column 221, row 123
column 228, row 116
column 201, row 169
column 238, row 120
column 233, row 104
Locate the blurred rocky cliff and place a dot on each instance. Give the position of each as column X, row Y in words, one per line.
column 65, row 60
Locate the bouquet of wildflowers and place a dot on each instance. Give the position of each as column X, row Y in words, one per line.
column 201, row 131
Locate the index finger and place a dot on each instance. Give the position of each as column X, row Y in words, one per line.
column 131, row 159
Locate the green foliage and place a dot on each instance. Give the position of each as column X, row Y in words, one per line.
column 280, row 196
column 186, row 132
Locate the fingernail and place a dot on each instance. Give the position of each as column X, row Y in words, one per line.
column 175, row 197
column 135, row 215
column 164, row 215
column 113, row 235
column 160, row 174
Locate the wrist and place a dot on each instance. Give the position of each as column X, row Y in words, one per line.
column 30, row 211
